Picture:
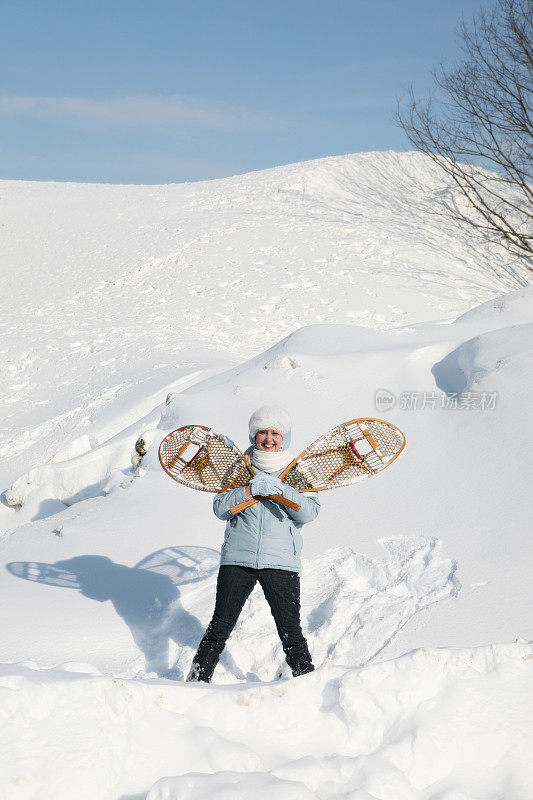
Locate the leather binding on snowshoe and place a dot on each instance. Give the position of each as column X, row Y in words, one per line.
column 202, row 459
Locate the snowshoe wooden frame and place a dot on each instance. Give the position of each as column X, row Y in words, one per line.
column 350, row 452
column 196, row 456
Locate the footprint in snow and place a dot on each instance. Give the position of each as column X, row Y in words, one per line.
column 352, row 607
column 359, row 604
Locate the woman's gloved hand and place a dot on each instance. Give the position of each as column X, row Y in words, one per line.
column 265, row 485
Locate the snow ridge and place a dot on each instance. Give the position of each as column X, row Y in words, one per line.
column 414, row 728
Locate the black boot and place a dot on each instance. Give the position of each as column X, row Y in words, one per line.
column 303, row 669
column 204, row 662
column 196, row 673
column 299, row 659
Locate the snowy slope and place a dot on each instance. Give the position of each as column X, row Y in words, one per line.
column 113, row 292
column 415, row 587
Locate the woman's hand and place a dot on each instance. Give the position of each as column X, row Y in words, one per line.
column 264, row 485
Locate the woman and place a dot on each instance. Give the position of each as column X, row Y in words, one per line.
column 262, row 543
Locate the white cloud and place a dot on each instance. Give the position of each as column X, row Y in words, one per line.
column 178, row 112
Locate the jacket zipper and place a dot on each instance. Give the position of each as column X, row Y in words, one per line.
column 260, row 534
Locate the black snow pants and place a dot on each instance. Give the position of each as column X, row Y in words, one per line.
column 234, row 585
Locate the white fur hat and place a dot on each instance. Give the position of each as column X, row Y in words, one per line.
column 273, row 417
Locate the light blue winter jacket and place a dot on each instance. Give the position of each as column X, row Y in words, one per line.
column 267, row 534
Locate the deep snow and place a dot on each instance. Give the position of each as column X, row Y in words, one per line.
column 160, row 306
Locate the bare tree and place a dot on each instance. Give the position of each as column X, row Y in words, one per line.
column 478, row 124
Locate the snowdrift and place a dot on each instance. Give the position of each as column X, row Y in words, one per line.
column 432, row 725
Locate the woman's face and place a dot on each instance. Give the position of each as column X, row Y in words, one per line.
column 268, row 440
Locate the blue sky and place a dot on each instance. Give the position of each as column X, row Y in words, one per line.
column 131, row 91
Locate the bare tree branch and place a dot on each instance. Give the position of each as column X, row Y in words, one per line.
column 478, row 124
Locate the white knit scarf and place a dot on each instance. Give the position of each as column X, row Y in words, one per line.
column 270, row 461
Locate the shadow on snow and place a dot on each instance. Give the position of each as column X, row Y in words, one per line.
column 146, row 596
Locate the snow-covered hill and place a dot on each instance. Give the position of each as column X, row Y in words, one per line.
column 112, row 293
column 139, row 309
